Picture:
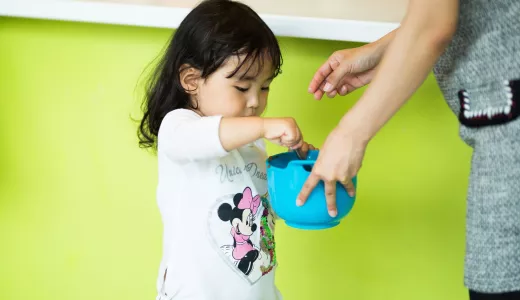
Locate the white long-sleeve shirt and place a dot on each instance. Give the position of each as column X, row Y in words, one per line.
column 218, row 239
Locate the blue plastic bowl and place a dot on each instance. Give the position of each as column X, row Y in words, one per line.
column 286, row 175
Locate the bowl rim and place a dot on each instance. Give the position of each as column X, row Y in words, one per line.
column 300, row 162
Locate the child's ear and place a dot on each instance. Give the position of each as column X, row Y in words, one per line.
column 189, row 78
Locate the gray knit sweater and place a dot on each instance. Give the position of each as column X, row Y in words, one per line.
column 476, row 75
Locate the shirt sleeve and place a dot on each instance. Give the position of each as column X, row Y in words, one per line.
column 184, row 135
column 261, row 145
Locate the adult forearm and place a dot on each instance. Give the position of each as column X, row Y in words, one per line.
column 406, row 63
column 380, row 46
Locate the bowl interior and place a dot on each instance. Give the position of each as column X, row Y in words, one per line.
column 282, row 160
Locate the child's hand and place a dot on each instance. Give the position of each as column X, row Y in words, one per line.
column 283, row 131
column 304, row 149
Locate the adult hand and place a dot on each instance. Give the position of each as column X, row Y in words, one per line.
column 345, row 71
column 339, row 161
column 349, row 69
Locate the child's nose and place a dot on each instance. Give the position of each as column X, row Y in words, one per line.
column 253, row 102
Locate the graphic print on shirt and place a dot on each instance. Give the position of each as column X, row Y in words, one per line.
column 247, row 244
column 267, row 243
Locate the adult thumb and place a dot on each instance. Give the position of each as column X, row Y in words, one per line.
column 332, row 81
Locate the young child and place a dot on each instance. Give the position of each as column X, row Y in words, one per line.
column 202, row 112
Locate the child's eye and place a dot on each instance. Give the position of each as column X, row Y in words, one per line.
column 240, row 89
column 265, row 88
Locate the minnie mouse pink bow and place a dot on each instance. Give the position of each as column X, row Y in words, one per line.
column 248, row 201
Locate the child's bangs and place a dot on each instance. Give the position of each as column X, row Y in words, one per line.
column 252, row 63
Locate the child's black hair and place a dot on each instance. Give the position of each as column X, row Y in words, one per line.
column 211, row 33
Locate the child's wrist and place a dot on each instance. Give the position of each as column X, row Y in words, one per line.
column 263, row 125
column 260, row 125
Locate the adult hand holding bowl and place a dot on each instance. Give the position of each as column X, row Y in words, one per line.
column 338, row 162
column 286, row 175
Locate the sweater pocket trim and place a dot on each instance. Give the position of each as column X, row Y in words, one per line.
column 490, row 104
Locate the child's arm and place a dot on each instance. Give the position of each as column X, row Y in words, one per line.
column 237, row 132
column 184, row 135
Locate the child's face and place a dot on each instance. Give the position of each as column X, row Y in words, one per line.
column 234, row 97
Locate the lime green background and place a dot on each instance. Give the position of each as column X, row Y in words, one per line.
column 78, row 218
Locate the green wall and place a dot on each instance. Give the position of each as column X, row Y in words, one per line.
column 78, row 218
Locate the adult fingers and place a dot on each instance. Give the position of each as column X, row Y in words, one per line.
column 320, row 75
column 330, row 197
column 332, row 94
column 334, row 78
column 343, row 90
column 345, row 86
column 311, row 182
column 349, row 186
column 318, row 94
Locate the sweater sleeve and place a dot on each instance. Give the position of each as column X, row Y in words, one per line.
column 184, row 135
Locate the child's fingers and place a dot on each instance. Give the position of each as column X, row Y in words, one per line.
column 295, row 141
column 304, row 150
column 298, row 145
column 305, row 147
column 276, row 141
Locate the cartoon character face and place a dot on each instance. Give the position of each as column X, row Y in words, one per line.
column 241, row 216
column 245, row 224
